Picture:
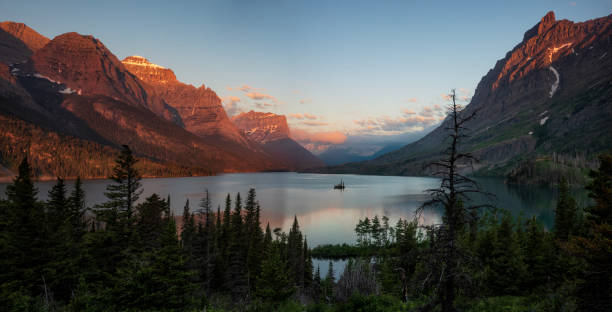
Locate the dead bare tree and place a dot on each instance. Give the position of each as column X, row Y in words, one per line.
column 454, row 196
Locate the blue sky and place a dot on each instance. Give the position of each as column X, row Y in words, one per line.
column 328, row 65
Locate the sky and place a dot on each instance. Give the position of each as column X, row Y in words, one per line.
column 334, row 68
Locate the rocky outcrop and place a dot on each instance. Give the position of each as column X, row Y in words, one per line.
column 262, row 127
column 82, row 63
column 18, row 42
column 75, row 86
column 200, row 109
column 272, row 132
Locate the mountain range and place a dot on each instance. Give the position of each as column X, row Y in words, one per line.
column 75, row 88
column 543, row 110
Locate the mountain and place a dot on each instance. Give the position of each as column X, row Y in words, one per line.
column 18, row 42
column 272, row 132
column 75, row 87
column 199, row 108
column 358, row 148
column 547, row 103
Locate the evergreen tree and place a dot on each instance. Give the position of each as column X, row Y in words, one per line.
column 57, row 205
column 274, row 283
column 307, row 265
column 150, row 222
column 329, row 283
column 375, row 228
column 294, row 253
column 156, row 279
column 254, row 236
column 76, row 203
column 124, row 192
column 25, row 253
column 565, row 212
column 538, row 255
column 595, row 245
column 507, row 268
column 237, row 279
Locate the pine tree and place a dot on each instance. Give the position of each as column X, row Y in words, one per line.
column 77, row 208
column 307, row 265
column 25, row 252
column 124, row 192
column 57, row 205
column 565, row 212
column 156, row 279
column 376, row 231
column 236, row 279
column 507, row 268
column 595, row 245
column 254, row 236
column 329, row 282
column 294, row 253
column 538, row 255
column 274, row 283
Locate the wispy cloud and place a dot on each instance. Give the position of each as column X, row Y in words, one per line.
column 314, row 123
column 230, row 103
column 317, row 141
column 305, row 101
column 259, row 96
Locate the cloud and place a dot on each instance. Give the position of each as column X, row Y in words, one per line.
column 409, row 121
column 412, row 100
column 303, row 116
column 426, row 112
column 245, row 88
column 573, row 3
column 445, row 96
column 305, row 101
column 259, row 96
column 317, row 141
column 314, row 123
column 230, row 103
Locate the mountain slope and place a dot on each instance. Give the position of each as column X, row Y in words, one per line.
column 18, row 42
column 75, row 86
column 272, row 132
column 550, row 95
column 200, row 108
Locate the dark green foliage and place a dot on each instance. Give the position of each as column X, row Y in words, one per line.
column 565, row 212
column 594, row 247
column 273, row 283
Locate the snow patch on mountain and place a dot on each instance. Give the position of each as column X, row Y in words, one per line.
column 555, row 85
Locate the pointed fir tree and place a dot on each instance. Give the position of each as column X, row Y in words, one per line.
column 76, row 204
column 124, row 192
column 565, row 212
column 25, row 248
column 308, row 267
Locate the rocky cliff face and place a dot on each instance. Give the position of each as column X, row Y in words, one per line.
column 85, row 65
column 262, row 127
column 74, row 85
column 18, row 42
column 200, row 108
column 549, row 94
column 272, row 132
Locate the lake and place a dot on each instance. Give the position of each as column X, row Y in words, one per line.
column 327, row 216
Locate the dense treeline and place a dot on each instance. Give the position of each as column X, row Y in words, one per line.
column 51, row 154
column 129, row 254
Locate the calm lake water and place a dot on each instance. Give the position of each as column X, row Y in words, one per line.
column 326, row 215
